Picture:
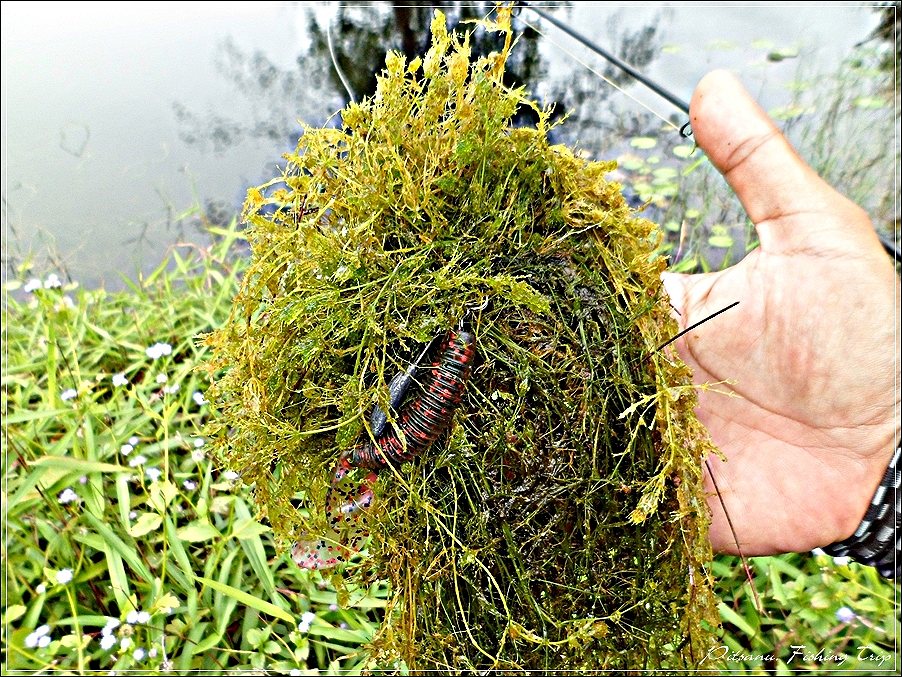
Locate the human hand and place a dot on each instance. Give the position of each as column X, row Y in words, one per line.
column 810, row 353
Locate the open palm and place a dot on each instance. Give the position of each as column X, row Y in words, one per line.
column 810, row 354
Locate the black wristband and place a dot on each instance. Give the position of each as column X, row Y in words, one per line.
column 876, row 540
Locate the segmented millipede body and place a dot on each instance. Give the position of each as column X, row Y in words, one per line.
column 421, row 420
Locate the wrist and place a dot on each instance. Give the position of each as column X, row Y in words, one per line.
column 874, row 540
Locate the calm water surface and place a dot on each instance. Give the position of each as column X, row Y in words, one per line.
column 127, row 125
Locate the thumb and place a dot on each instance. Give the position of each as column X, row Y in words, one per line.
column 773, row 183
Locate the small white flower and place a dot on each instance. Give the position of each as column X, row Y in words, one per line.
column 32, row 640
column 126, row 449
column 44, row 641
column 67, row 496
column 308, row 617
column 157, row 350
column 68, row 394
column 845, row 615
column 52, row 282
column 119, row 379
column 343, row 625
column 152, row 653
column 132, row 617
column 132, row 515
column 841, row 561
column 143, row 617
column 199, row 398
column 125, row 642
column 83, row 479
column 198, row 455
column 133, row 440
column 171, row 390
column 153, row 474
column 189, row 485
column 140, row 459
column 111, row 625
column 32, row 285
column 303, row 627
column 333, row 607
column 230, row 475
column 65, row 302
column 63, row 576
column 41, row 588
column 107, row 642
column 162, row 378
column 138, row 655
column 199, row 442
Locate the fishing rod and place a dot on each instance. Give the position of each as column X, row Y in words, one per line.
column 889, row 247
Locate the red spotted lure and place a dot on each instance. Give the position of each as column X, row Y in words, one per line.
column 421, row 420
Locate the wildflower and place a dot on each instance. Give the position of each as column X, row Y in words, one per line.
column 83, row 479
column 171, row 390
column 199, row 442
column 126, row 449
column 68, row 394
column 198, row 455
column 140, row 459
column 162, row 378
column 67, row 496
column 189, row 485
column 157, row 350
column 153, row 474
column 152, row 653
column 125, row 642
column 132, row 515
column 63, row 576
column 230, row 475
column 199, row 398
column 36, row 638
column 845, row 615
column 107, row 642
column 65, row 303
column 139, row 654
column 119, row 379
column 111, row 625
column 52, row 282
column 136, row 617
column 133, row 440
column 306, row 619
column 333, row 607
column 343, row 625
column 41, row 588
column 33, row 285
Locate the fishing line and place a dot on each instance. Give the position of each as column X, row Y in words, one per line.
column 341, row 75
column 668, row 96
column 582, row 63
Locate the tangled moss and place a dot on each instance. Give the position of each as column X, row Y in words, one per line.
column 561, row 522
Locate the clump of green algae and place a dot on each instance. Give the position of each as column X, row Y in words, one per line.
column 561, row 522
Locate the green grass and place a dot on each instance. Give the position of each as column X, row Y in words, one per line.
column 157, row 528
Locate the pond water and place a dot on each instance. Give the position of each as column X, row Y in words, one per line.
column 130, row 125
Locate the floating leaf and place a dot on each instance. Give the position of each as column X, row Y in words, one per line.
column 643, row 142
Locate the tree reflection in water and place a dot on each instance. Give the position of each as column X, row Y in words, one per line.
column 270, row 99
